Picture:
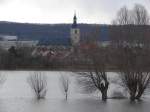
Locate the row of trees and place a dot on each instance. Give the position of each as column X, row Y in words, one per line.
column 134, row 51
column 128, row 53
column 137, row 16
column 38, row 83
column 131, row 63
column 22, row 58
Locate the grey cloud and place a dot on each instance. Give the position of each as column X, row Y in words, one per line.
column 100, row 9
column 90, row 6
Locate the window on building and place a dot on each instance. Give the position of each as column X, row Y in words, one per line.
column 76, row 31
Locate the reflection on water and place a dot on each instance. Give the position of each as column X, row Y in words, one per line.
column 83, row 105
column 16, row 96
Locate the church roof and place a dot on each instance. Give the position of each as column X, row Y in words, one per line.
column 74, row 25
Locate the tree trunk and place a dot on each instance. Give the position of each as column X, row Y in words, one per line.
column 139, row 94
column 132, row 96
column 104, row 91
column 104, row 95
column 66, row 96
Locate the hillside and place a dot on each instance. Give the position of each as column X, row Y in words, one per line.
column 45, row 33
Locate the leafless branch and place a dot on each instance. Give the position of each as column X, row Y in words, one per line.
column 38, row 83
column 65, row 81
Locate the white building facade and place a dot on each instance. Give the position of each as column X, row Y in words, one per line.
column 7, row 41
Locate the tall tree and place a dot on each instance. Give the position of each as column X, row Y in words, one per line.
column 132, row 55
column 140, row 15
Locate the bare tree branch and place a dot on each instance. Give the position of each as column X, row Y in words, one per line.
column 65, row 81
column 38, row 83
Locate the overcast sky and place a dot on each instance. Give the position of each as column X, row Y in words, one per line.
column 62, row 11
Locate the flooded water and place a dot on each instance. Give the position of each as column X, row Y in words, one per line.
column 16, row 96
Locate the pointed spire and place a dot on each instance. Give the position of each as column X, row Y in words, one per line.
column 75, row 15
column 74, row 25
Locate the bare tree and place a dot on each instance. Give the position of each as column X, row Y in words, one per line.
column 140, row 15
column 38, row 83
column 64, row 79
column 133, row 62
column 132, row 56
column 123, row 17
column 137, row 16
column 134, row 71
column 96, row 77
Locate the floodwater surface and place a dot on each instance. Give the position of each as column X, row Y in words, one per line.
column 16, row 96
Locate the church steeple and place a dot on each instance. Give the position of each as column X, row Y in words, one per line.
column 74, row 25
column 75, row 32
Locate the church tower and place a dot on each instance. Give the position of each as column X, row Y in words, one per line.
column 75, row 32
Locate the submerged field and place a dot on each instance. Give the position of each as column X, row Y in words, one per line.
column 16, row 96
